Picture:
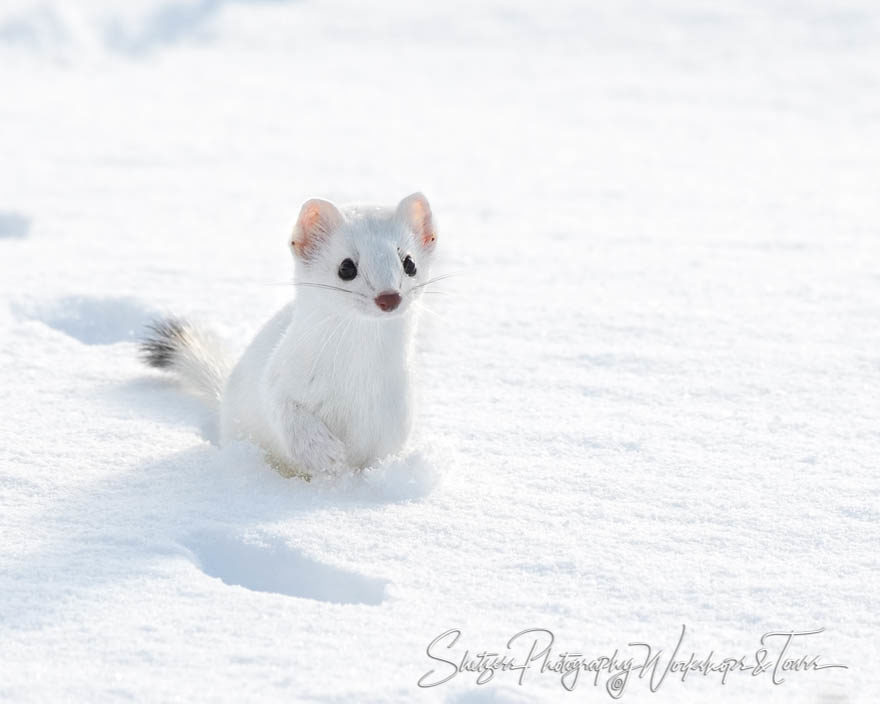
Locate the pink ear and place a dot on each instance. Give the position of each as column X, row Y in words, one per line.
column 317, row 220
column 415, row 211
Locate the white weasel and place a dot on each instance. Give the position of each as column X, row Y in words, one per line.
column 324, row 387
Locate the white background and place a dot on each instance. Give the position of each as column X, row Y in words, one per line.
column 649, row 395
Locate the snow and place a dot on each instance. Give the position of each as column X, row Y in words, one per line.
column 649, row 395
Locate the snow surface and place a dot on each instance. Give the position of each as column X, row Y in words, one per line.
column 650, row 395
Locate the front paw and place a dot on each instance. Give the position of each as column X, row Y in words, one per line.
column 310, row 445
column 328, row 459
column 335, row 462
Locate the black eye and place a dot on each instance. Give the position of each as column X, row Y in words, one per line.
column 347, row 270
column 409, row 266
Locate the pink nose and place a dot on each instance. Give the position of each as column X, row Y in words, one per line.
column 388, row 301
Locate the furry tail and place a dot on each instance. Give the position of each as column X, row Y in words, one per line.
column 195, row 356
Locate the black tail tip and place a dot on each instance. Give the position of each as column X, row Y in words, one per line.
column 163, row 342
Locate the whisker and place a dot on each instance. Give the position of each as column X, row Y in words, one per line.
column 434, row 280
column 329, row 286
column 331, row 335
column 425, row 308
column 340, row 342
column 315, row 284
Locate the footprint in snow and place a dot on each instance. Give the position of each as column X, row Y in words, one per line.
column 92, row 320
column 270, row 565
column 14, row 225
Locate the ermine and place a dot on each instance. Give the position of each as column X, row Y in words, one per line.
column 324, row 387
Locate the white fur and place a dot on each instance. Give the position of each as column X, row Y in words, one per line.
column 325, row 385
column 201, row 363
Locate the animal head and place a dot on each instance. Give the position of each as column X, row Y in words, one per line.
column 377, row 260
